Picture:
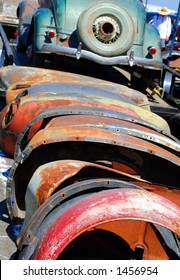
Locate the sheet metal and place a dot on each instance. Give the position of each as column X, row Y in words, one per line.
column 30, row 229
column 49, row 177
column 46, row 115
column 91, row 144
column 84, row 133
column 121, row 126
column 17, row 78
column 102, row 207
column 73, row 89
column 12, row 123
column 143, row 235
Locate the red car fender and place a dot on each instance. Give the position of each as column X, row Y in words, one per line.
column 110, row 205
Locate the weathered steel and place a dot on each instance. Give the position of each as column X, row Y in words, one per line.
column 49, row 177
column 102, row 207
column 94, row 143
column 37, row 225
column 29, row 230
column 72, row 89
column 31, row 105
column 122, row 127
column 76, row 136
column 15, row 79
column 109, row 135
column 46, row 116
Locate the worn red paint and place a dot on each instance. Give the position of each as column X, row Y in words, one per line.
column 103, row 207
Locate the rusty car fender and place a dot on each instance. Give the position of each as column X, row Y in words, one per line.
column 29, row 106
column 143, row 236
column 50, row 176
column 18, row 78
column 45, row 116
column 102, row 207
column 90, row 144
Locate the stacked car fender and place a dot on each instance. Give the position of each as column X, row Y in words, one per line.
column 94, row 175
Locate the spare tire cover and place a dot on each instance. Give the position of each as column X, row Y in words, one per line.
column 106, row 29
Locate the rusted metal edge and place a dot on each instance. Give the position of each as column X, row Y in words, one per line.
column 151, row 148
column 164, row 157
column 30, row 106
column 41, row 186
column 17, row 78
column 29, row 231
column 109, row 205
column 98, row 135
column 48, row 114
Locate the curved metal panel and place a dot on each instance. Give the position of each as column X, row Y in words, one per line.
column 30, row 229
column 30, row 106
column 49, row 177
column 102, row 207
column 101, row 144
column 46, row 115
column 98, row 134
column 15, row 79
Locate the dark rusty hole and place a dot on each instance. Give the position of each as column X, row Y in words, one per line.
column 24, row 93
column 12, row 110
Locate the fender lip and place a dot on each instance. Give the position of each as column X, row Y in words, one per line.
column 97, row 138
column 48, row 114
column 102, row 207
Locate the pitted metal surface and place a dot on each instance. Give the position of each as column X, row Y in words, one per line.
column 92, row 163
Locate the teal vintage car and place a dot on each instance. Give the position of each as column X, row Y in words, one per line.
column 104, row 32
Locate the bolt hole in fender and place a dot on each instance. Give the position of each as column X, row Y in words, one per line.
column 106, row 29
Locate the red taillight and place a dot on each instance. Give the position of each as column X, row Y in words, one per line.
column 51, row 34
column 15, row 35
column 152, row 50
